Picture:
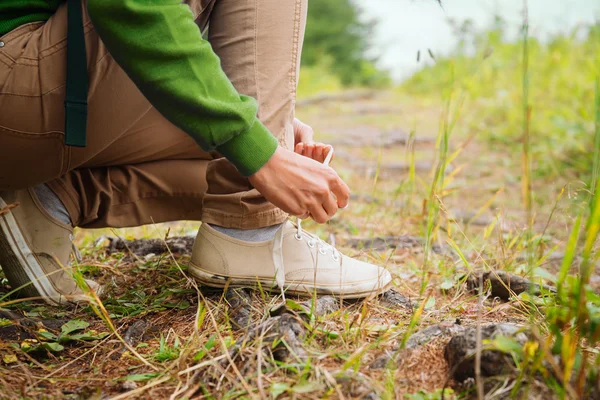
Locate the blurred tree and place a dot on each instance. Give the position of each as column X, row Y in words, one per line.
column 338, row 37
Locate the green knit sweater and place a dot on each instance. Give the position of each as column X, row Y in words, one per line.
column 160, row 47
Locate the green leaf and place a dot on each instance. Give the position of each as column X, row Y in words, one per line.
column 448, row 283
column 140, row 377
column 507, row 345
column 209, row 345
column 292, row 305
column 53, row 346
column 330, row 334
column 542, row 273
column 307, row 387
column 72, row 326
column 278, row 388
column 430, row 303
column 47, row 335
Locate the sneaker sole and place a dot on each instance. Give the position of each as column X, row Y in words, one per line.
column 20, row 265
column 221, row 281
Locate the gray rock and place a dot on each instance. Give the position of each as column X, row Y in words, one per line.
column 461, row 349
column 394, row 299
column 180, row 245
column 426, row 335
column 282, row 335
column 323, row 305
column 417, row 339
column 382, row 361
column 501, row 282
column 135, row 332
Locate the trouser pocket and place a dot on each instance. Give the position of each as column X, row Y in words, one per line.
column 28, row 159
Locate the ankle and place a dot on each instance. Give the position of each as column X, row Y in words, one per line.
column 52, row 204
column 249, row 235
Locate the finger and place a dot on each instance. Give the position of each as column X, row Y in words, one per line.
column 340, row 190
column 330, row 205
column 299, row 148
column 318, row 213
column 318, row 153
column 309, row 149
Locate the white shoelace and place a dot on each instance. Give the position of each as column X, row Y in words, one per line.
column 322, row 247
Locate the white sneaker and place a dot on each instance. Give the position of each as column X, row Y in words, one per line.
column 35, row 250
column 295, row 261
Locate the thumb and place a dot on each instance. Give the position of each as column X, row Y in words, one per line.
column 302, row 132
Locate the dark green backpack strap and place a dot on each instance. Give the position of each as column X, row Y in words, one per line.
column 77, row 78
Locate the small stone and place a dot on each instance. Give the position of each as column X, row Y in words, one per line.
column 128, row 386
column 393, row 299
column 323, row 305
column 135, row 332
column 382, row 361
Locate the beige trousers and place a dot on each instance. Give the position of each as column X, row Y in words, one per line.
column 138, row 168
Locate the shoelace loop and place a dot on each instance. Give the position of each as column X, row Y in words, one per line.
column 323, row 247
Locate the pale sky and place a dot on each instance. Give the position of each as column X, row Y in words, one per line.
column 407, row 26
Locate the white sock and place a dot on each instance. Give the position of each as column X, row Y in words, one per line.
column 52, row 203
column 249, row 235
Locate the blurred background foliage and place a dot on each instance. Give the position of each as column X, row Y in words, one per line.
column 338, row 41
column 486, row 67
column 562, row 75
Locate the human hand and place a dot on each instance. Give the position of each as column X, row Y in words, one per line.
column 305, row 145
column 301, row 186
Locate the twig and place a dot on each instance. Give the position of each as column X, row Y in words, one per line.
column 9, row 207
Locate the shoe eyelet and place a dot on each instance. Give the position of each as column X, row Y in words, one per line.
column 311, row 244
column 298, row 237
column 322, row 251
column 335, row 258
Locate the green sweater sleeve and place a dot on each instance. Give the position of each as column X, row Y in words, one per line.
column 160, row 47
